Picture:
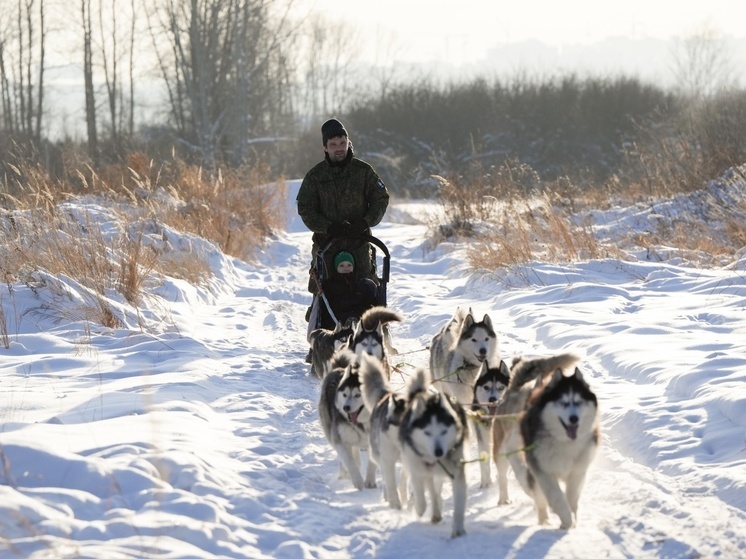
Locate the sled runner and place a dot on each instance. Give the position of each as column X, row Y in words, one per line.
column 333, row 303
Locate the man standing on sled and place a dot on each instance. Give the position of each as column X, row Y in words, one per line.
column 341, row 196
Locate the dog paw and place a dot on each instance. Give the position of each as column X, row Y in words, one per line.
column 370, row 484
column 504, row 501
column 485, row 484
column 458, row 532
column 436, row 518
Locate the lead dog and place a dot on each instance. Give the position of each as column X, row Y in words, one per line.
column 512, row 402
column 559, row 436
column 345, row 419
column 432, row 435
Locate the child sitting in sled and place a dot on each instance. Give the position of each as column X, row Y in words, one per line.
column 349, row 296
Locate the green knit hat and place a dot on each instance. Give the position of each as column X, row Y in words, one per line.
column 343, row 256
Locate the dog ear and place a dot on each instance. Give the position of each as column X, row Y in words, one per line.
column 504, row 369
column 417, row 406
column 483, row 369
column 419, row 381
column 468, row 321
column 487, row 321
column 579, row 377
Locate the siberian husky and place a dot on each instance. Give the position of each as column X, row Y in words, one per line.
column 325, row 343
column 345, row 419
column 370, row 335
column 488, row 388
column 458, row 351
column 432, row 436
column 559, row 437
column 387, row 409
column 511, row 403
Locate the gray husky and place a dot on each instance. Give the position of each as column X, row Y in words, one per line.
column 556, row 441
column 371, row 335
column 325, row 343
column 488, row 388
column 345, row 419
column 387, row 409
column 432, row 435
column 457, row 352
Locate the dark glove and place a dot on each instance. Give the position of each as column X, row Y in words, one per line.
column 359, row 226
column 338, row 229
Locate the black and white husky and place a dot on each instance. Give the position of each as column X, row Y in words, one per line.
column 387, row 410
column 345, row 419
column 505, row 433
column 457, row 352
column 432, row 436
column 557, row 436
column 370, row 335
column 325, row 343
column 488, row 388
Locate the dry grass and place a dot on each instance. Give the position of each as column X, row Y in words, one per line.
column 538, row 230
column 513, row 219
column 41, row 238
column 508, row 224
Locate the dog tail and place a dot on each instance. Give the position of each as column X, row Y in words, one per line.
column 373, row 380
column 420, row 381
column 523, row 371
column 342, row 359
column 379, row 315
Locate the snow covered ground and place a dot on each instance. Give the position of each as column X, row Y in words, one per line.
column 199, row 438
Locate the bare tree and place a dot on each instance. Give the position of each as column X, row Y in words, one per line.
column 131, row 126
column 115, row 49
column 220, row 61
column 22, row 66
column 90, row 96
column 702, row 63
column 41, row 67
column 328, row 75
column 109, row 60
column 5, row 87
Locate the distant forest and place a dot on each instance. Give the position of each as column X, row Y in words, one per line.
column 245, row 85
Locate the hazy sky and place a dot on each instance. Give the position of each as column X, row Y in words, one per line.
column 426, row 30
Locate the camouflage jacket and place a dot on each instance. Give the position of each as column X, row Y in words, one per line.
column 336, row 193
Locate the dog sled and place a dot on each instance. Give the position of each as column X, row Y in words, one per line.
column 322, row 312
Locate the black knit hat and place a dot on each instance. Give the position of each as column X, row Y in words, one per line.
column 331, row 129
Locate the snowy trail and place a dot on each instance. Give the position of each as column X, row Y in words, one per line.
column 628, row 509
column 205, row 442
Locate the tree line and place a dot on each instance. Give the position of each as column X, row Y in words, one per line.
column 247, row 82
